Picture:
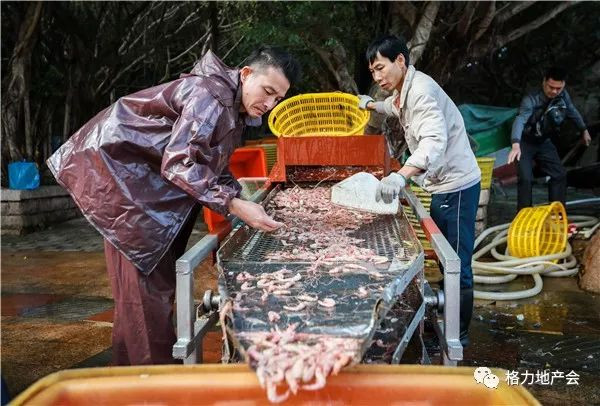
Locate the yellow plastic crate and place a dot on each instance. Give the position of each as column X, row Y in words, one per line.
column 310, row 114
column 422, row 195
column 412, row 218
column 540, row 230
column 270, row 154
column 486, row 165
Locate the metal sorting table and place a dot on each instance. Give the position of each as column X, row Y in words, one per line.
column 384, row 322
column 387, row 235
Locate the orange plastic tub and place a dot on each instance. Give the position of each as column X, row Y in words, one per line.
column 248, row 162
column 244, row 162
column 238, row 385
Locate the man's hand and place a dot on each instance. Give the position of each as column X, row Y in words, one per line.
column 515, row 153
column 587, row 138
column 253, row 214
column 363, row 101
column 389, row 187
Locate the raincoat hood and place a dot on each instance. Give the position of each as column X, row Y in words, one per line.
column 212, row 67
column 224, row 77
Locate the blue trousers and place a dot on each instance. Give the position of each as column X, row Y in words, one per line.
column 454, row 213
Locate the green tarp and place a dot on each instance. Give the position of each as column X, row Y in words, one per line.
column 489, row 126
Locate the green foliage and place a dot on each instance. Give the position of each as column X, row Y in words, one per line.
column 298, row 25
column 96, row 52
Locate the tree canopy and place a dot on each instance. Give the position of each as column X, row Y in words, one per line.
column 62, row 62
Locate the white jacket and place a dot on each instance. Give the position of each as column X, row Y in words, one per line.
column 435, row 134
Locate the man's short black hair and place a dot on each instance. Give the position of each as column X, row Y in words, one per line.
column 276, row 57
column 556, row 73
column 389, row 46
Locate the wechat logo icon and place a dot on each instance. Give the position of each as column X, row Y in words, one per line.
column 484, row 375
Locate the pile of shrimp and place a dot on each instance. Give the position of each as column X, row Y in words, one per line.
column 300, row 361
column 317, row 230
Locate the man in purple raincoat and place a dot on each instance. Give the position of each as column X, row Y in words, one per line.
column 141, row 169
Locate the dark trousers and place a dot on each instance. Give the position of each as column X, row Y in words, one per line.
column 143, row 331
column 455, row 213
column 548, row 160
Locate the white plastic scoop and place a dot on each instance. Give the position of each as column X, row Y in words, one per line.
column 358, row 192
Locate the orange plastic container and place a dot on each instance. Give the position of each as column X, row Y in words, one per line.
column 368, row 151
column 248, row 162
column 236, row 384
column 244, row 162
column 269, row 145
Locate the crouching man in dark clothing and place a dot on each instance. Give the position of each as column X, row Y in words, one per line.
column 540, row 116
column 140, row 170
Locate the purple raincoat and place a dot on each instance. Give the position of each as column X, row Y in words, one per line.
column 138, row 167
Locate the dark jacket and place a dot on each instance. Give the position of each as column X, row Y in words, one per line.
column 540, row 117
column 138, row 167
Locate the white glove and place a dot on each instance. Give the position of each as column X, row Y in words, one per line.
column 390, row 187
column 363, row 100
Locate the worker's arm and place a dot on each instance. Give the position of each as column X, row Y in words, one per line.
column 187, row 157
column 250, row 213
column 227, row 179
column 391, row 186
column 188, row 154
column 574, row 115
column 587, row 138
column 428, row 126
column 525, row 111
column 410, row 171
column 385, row 107
column 253, row 214
column 366, row 102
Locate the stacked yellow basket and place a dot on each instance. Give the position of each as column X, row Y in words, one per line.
column 310, row 114
column 486, row 165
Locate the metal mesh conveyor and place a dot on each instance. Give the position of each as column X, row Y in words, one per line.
column 355, row 314
column 386, row 318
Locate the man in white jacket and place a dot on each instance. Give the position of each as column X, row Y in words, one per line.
column 441, row 160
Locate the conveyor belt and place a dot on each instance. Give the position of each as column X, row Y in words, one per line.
column 353, row 315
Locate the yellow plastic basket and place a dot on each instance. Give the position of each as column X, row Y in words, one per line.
column 412, row 218
column 536, row 231
column 487, row 166
column 270, row 154
column 422, row 195
column 310, row 114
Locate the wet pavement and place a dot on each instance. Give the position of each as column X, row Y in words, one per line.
column 57, row 307
column 557, row 330
column 57, row 314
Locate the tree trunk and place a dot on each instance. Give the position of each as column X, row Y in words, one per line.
column 214, row 25
column 15, row 107
column 27, row 118
column 400, row 12
column 423, row 31
column 67, row 117
column 486, row 21
column 512, row 10
column 541, row 20
column 465, row 21
column 335, row 61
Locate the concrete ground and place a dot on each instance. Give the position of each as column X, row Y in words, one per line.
column 57, row 313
